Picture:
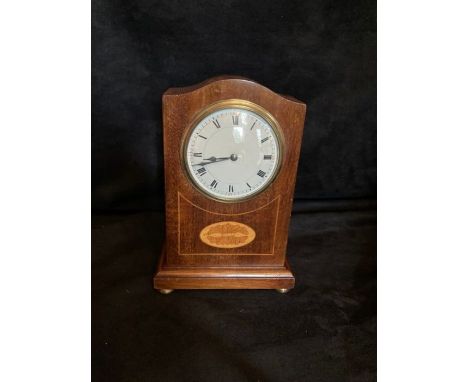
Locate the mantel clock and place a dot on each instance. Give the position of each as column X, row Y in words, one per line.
column 231, row 149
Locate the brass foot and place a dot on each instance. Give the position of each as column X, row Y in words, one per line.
column 165, row 291
column 283, row 290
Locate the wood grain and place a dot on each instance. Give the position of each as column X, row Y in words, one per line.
column 227, row 234
column 188, row 211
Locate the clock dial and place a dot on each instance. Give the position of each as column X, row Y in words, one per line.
column 233, row 153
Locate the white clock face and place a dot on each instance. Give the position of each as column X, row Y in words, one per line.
column 232, row 154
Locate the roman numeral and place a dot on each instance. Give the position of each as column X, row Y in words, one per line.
column 235, row 120
column 261, row 173
column 217, row 124
column 201, row 136
column 231, row 188
column 251, row 127
column 198, row 155
column 201, row 171
column 265, row 139
column 249, row 185
column 213, row 184
column 267, row 157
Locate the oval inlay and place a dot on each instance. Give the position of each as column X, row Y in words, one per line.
column 227, row 235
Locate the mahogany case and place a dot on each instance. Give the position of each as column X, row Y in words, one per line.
column 188, row 261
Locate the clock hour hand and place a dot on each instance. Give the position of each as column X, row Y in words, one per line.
column 211, row 160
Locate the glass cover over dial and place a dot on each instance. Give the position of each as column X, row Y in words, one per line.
column 233, row 153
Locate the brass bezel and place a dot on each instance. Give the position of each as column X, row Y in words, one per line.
column 229, row 104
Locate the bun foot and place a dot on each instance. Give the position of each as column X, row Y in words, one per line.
column 165, row 291
column 283, row 290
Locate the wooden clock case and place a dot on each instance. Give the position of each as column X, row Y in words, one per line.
column 187, row 262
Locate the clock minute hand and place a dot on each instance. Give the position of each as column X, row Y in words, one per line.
column 211, row 160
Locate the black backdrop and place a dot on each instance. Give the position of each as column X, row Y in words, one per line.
column 322, row 52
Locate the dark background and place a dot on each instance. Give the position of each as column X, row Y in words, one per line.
column 321, row 52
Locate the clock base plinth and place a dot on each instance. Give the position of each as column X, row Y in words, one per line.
column 169, row 278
